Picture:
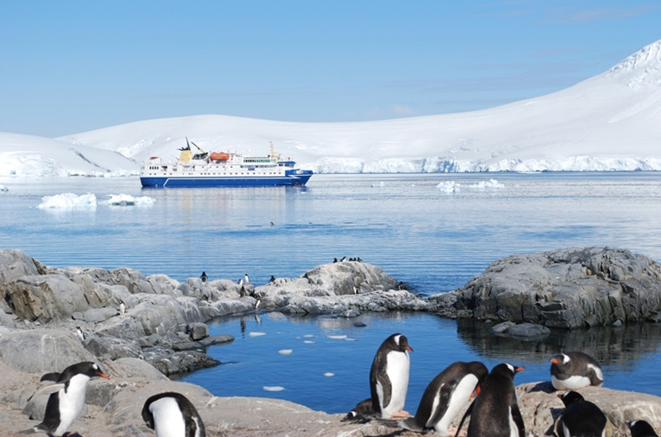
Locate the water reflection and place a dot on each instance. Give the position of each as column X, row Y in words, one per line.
column 611, row 346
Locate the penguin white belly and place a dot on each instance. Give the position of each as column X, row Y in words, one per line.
column 514, row 429
column 397, row 369
column 572, row 383
column 168, row 420
column 71, row 402
column 458, row 399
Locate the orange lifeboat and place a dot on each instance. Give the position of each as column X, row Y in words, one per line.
column 219, row 156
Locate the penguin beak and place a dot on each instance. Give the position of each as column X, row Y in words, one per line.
column 519, row 369
column 475, row 392
column 554, row 361
column 103, row 375
column 408, row 348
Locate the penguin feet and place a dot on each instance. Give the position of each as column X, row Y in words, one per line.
column 401, row 415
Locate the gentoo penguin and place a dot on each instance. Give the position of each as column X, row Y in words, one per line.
column 445, row 396
column 67, row 397
column 272, row 280
column 122, row 307
column 204, row 276
column 362, row 412
column 171, row 414
column 575, row 370
column 580, row 418
column 640, row 428
column 246, row 279
column 495, row 412
column 389, row 376
column 344, row 258
column 81, row 335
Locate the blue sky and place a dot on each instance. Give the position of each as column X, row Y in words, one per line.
column 73, row 66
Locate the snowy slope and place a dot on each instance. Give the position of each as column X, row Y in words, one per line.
column 30, row 156
column 609, row 122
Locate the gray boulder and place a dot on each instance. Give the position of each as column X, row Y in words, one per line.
column 566, row 288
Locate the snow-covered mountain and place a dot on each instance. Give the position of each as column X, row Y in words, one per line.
column 609, row 122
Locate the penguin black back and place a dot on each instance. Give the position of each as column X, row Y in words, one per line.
column 495, row 409
column 170, row 411
column 445, row 395
column 361, row 413
column 641, row 428
column 581, row 418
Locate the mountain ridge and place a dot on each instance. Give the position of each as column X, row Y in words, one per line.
column 609, row 122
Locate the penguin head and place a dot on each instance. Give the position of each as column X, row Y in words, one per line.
column 399, row 343
column 560, row 359
column 571, row 397
column 640, row 428
column 509, row 368
column 91, row 369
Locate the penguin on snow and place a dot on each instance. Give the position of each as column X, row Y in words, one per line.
column 495, row 412
column 171, row 414
column 67, row 397
column 389, row 376
column 580, row 418
column 640, row 428
column 575, row 370
column 445, row 396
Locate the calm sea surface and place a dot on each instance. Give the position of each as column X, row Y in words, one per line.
column 417, row 231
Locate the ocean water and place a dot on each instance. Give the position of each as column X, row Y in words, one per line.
column 433, row 232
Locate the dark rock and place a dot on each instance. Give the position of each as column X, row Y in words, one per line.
column 566, row 288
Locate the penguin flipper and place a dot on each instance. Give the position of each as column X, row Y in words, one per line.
column 445, row 395
column 380, row 386
column 47, row 389
column 53, row 376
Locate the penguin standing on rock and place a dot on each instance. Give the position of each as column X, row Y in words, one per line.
column 575, row 370
column 171, row 414
column 389, row 377
column 445, row 396
column 580, row 418
column 640, row 428
column 495, row 412
column 67, row 397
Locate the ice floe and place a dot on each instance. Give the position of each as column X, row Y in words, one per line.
column 285, row 351
column 128, row 200
column 257, row 334
column 68, row 201
column 337, row 337
column 273, row 388
column 329, row 374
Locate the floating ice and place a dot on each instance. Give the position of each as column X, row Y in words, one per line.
column 308, row 335
column 337, row 337
column 127, row 200
column 329, row 374
column 68, row 201
column 273, row 388
column 308, row 341
column 448, row 187
column 257, row 334
column 490, row 184
column 285, row 351
column 350, row 339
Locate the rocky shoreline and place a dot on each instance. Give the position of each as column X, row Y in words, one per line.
column 161, row 330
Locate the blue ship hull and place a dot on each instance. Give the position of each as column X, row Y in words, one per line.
column 298, row 179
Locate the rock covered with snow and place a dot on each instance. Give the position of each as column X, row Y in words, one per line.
column 565, row 288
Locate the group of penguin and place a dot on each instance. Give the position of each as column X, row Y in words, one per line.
column 494, row 412
column 169, row 414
